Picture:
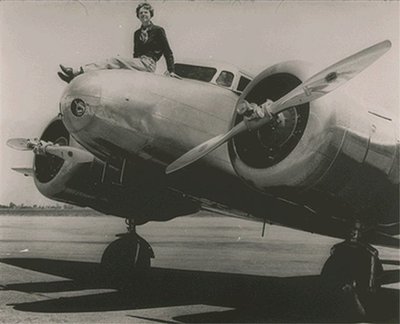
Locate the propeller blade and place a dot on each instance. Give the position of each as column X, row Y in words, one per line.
column 332, row 77
column 204, row 148
column 315, row 87
column 70, row 153
column 28, row 172
column 21, row 144
column 43, row 148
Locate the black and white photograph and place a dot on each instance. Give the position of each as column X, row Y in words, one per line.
column 199, row 161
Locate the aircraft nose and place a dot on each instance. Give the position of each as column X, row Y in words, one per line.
column 79, row 101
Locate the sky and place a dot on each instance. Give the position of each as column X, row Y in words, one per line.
column 35, row 36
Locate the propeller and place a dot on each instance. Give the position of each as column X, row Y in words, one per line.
column 315, row 87
column 22, row 144
column 43, row 148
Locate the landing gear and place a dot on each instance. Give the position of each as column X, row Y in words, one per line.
column 352, row 274
column 128, row 257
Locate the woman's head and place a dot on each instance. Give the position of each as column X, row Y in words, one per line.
column 144, row 10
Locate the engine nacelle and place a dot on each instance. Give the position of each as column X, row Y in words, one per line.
column 106, row 187
column 65, row 181
column 331, row 145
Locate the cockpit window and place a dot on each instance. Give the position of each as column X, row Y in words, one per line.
column 225, row 79
column 243, row 82
column 195, row 72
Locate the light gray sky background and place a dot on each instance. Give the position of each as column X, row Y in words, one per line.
column 36, row 36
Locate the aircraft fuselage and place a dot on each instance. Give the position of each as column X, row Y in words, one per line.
column 346, row 157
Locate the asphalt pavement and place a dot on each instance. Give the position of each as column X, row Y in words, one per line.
column 207, row 269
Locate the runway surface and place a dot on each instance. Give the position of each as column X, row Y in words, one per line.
column 207, row 270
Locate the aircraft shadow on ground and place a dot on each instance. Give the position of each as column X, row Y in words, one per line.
column 250, row 298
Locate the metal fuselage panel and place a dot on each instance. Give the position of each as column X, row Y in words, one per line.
column 147, row 115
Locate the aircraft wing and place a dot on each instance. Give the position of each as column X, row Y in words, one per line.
column 302, row 218
column 387, row 240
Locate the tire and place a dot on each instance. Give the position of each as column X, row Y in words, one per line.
column 126, row 258
column 346, row 276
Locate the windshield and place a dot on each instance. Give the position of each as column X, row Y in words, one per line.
column 195, row 72
column 225, row 79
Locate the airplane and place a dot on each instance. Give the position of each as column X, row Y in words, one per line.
column 137, row 145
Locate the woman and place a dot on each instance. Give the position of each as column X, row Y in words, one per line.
column 150, row 43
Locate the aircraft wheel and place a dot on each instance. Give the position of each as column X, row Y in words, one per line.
column 346, row 274
column 126, row 258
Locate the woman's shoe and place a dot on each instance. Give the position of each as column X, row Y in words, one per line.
column 66, row 70
column 66, row 78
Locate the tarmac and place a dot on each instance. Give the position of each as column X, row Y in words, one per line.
column 207, row 269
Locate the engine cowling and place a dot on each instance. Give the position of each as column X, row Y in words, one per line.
column 279, row 154
column 60, row 179
column 332, row 145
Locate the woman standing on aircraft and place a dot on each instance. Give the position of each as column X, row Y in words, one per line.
column 150, row 43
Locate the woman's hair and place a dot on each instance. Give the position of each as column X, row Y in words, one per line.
column 147, row 6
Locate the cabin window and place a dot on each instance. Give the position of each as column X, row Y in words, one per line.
column 225, row 79
column 195, row 72
column 243, row 82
